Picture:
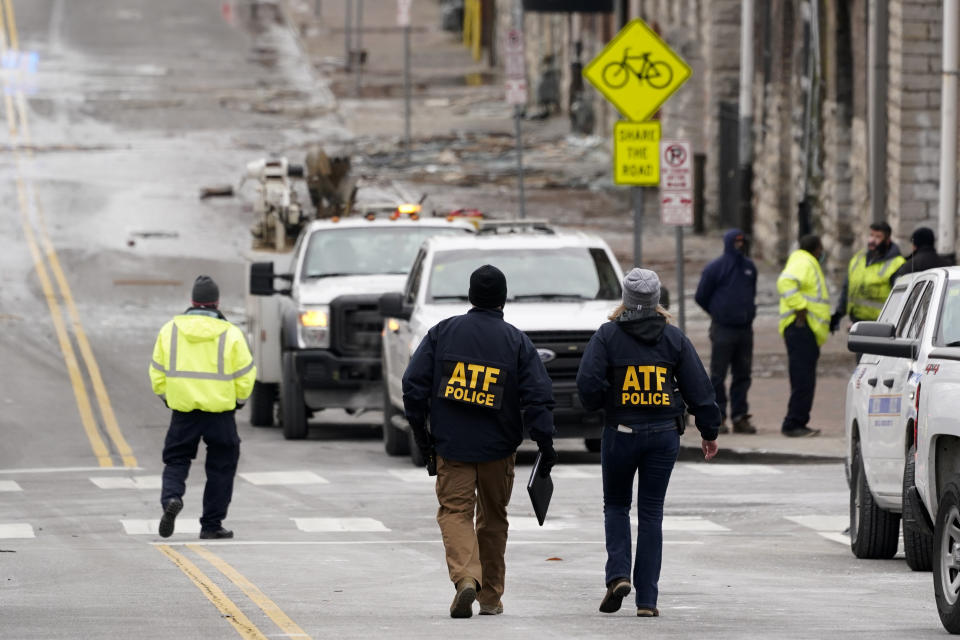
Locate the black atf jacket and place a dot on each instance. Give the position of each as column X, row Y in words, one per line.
column 633, row 369
column 482, row 383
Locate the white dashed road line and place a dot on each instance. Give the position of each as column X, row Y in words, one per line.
column 334, row 525
column 733, row 469
column 16, row 530
column 830, row 527
column 9, row 485
column 284, row 477
column 139, row 482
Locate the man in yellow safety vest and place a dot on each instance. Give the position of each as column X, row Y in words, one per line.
column 804, row 325
column 869, row 276
column 203, row 371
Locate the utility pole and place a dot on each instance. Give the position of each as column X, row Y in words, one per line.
column 947, row 218
column 745, row 148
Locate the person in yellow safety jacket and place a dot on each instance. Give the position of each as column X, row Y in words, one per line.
column 804, row 325
column 203, row 370
column 869, row 278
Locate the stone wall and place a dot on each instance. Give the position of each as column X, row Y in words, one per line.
column 913, row 115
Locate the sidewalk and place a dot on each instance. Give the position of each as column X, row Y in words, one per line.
column 463, row 156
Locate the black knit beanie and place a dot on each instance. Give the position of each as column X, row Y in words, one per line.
column 206, row 293
column 923, row 237
column 488, row 288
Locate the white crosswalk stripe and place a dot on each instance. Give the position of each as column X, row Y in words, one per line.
column 137, row 482
column 149, row 527
column 284, row 477
column 830, row 527
column 691, row 523
column 733, row 469
column 413, row 475
column 335, row 525
column 9, row 485
column 16, row 530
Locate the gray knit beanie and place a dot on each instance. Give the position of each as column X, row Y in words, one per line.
column 641, row 289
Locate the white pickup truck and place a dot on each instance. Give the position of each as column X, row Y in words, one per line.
column 316, row 344
column 561, row 287
column 919, row 349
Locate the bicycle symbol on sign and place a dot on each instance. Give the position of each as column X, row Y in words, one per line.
column 658, row 74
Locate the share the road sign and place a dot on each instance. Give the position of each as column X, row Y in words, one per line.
column 636, row 153
column 637, row 71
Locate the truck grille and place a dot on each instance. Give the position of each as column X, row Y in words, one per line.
column 568, row 348
column 356, row 325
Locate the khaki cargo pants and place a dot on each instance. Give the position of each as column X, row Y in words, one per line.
column 475, row 551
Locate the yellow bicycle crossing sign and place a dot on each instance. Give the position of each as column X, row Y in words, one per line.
column 637, row 71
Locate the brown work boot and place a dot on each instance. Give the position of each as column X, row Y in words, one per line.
column 617, row 590
column 491, row 609
column 742, row 424
column 462, row 606
column 723, row 427
column 644, row 612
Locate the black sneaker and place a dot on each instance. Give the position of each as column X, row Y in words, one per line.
column 616, row 592
column 215, row 534
column 170, row 511
column 802, row 432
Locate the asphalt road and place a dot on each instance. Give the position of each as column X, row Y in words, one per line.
column 131, row 107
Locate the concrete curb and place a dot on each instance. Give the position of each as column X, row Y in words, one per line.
column 742, row 455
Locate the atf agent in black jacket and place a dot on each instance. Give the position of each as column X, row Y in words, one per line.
column 629, row 369
column 482, row 382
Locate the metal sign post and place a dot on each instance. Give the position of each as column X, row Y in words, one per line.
column 403, row 20
column 516, row 90
column 676, row 202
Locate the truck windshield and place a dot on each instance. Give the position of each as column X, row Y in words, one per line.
column 950, row 316
column 533, row 275
column 370, row 250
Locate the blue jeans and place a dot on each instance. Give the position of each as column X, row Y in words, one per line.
column 652, row 452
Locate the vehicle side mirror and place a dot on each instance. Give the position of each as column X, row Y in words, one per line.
column 877, row 338
column 262, row 277
column 392, row 305
column 865, row 329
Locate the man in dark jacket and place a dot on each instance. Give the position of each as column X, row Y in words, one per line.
column 728, row 292
column 924, row 254
column 481, row 381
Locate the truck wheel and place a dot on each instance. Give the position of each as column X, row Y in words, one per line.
column 917, row 547
column 593, row 444
column 261, row 404
column 395, row 441
column 946, row 546
column 293, row 411
column 874, row 532
column 415, row 456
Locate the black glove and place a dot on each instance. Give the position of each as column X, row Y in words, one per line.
column 431, row 458
column 240, row 406
column 548, row 458
column 835, row 321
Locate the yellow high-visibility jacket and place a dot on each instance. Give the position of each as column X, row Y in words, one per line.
column 802, row 286
column 869, row 285
column 201, row 362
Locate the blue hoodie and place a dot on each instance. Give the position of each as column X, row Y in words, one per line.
column 728, row 286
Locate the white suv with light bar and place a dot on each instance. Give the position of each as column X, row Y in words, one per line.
column 561, row 287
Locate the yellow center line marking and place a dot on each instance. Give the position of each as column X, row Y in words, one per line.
column 11, row 20
column 225, row 605
column 93, row 369
column 268, row 606
column 86, row 352
column 73, row 367
column 7, row 98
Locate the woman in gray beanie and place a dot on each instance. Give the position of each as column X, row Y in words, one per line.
column 644, row 373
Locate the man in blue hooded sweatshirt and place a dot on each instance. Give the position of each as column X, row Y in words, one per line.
column 728, row 292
